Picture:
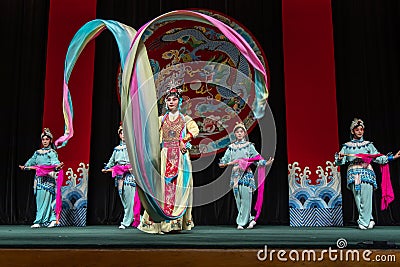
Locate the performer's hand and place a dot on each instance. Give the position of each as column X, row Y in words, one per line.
column 227, row 164
column 340, row 156
column 182, row 147
column 270, row 160
column 397, row 155
column 60, row 166
column 104, row 170
column 22, row 167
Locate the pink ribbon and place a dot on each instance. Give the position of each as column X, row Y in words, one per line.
column 386, row 184
column 244, row 164
column 136, row 209
column 387, row 189
column 44, row 170
column 121, row 170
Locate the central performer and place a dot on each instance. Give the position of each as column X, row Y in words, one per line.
column 176, row 131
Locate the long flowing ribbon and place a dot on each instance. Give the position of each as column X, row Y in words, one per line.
column 244, row 164
column 123, row 35
column 386, row 184
column 141, row 119
column 137, row 106
column 44, row 170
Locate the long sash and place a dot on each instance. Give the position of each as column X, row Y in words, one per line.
column 44, row 170
column 121, row 170
column 386, row 184
column 244, row 164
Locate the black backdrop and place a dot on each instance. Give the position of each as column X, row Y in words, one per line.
column 366, row 54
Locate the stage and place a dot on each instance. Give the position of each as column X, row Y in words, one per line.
column 204, row 245
column 201, row 237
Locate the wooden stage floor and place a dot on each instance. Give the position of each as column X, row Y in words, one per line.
column 203, row 246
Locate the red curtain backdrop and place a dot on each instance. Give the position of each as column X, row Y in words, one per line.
column 65, row 19
column 310, row 91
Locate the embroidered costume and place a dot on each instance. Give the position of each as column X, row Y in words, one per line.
column 175, row 169
column 44, row 186
column 242, row 181
column 361, row 178
column 125, row 182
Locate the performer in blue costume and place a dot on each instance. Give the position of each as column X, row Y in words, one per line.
column 124, row 181
column 44, row 186
column 242, row 181
column 361, row 179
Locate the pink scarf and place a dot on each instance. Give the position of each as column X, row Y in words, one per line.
column 244, row 164
column 386, row 184
column 121, row 170
column 44, row 170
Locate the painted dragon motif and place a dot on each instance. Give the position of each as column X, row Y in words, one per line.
column 199, row 41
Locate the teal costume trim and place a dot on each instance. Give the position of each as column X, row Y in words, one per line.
column 44, row 186
column 366, row 176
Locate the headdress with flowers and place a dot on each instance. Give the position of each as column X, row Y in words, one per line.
column 46, row 132
column 120, row 127
column 355, row 123
column 174, row 89
column 239, row 125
